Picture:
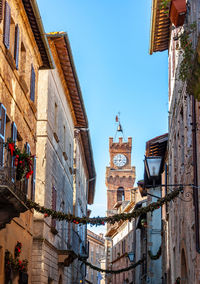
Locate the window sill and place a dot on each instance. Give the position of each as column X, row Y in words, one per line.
column 56, row 137
column 23, row 84
column 53, row 230
column 65, row 156
column 33, row 106
column 10, row 59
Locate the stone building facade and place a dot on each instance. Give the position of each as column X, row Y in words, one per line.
column 65, row 176
column 181, row 219
column 96, row 245
column 123, row 240
column 120, row 178
column 23, row 50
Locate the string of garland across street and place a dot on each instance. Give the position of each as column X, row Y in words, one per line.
column 110, row 271
column 97, row 221
column 132, row 266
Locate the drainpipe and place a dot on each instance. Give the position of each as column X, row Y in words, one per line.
column 195, row 188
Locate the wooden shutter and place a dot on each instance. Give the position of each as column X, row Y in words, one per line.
column 2, row 132
column 16, row 50
column 33, row 180
column 32, row 90
column 54, row 199
column 1, row 10
column 6, row 38
column 3, row 120
column 27, row 149
column 14, row 132
column 69, row 233
column 14, row 138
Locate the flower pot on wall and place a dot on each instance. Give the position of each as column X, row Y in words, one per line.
column 177, row 12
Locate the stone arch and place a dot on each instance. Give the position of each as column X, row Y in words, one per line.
column 184, row 274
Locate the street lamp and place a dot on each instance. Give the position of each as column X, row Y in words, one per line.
column 131, row 256
column 153, row 166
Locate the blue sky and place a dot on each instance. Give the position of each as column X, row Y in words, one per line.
column 110, row 43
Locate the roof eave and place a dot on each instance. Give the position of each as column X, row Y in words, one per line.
column 85, row 135
column 159, row 21
column 38, row 20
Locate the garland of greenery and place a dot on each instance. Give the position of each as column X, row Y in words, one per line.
column 156, row 256
column 97, row 221
column 111, row 271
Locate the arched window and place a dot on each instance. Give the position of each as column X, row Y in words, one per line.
column 120, row 194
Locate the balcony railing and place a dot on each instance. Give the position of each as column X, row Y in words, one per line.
column 12, row 192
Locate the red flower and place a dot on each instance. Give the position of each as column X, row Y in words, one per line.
column 17, row 156
column 16, row 162
column 29, row 174
column 103, row 223
column 11, row 147
column 20, row 262
column 20, row 162
column 19, row 250
column 46, row 215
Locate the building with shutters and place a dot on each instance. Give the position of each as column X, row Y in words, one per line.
column 23, row 50
column 181, row 238
column 65, row 175
column 96, row 245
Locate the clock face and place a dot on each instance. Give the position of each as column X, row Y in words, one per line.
column 119, row 160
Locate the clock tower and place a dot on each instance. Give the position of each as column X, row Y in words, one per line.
column 120, row 175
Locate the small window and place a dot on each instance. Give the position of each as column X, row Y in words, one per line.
column 120, row 194
column 12, row 36
column 23, row 61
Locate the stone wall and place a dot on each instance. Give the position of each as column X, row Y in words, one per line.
column 54, row 171
column 182, row 258
column 15, row 96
